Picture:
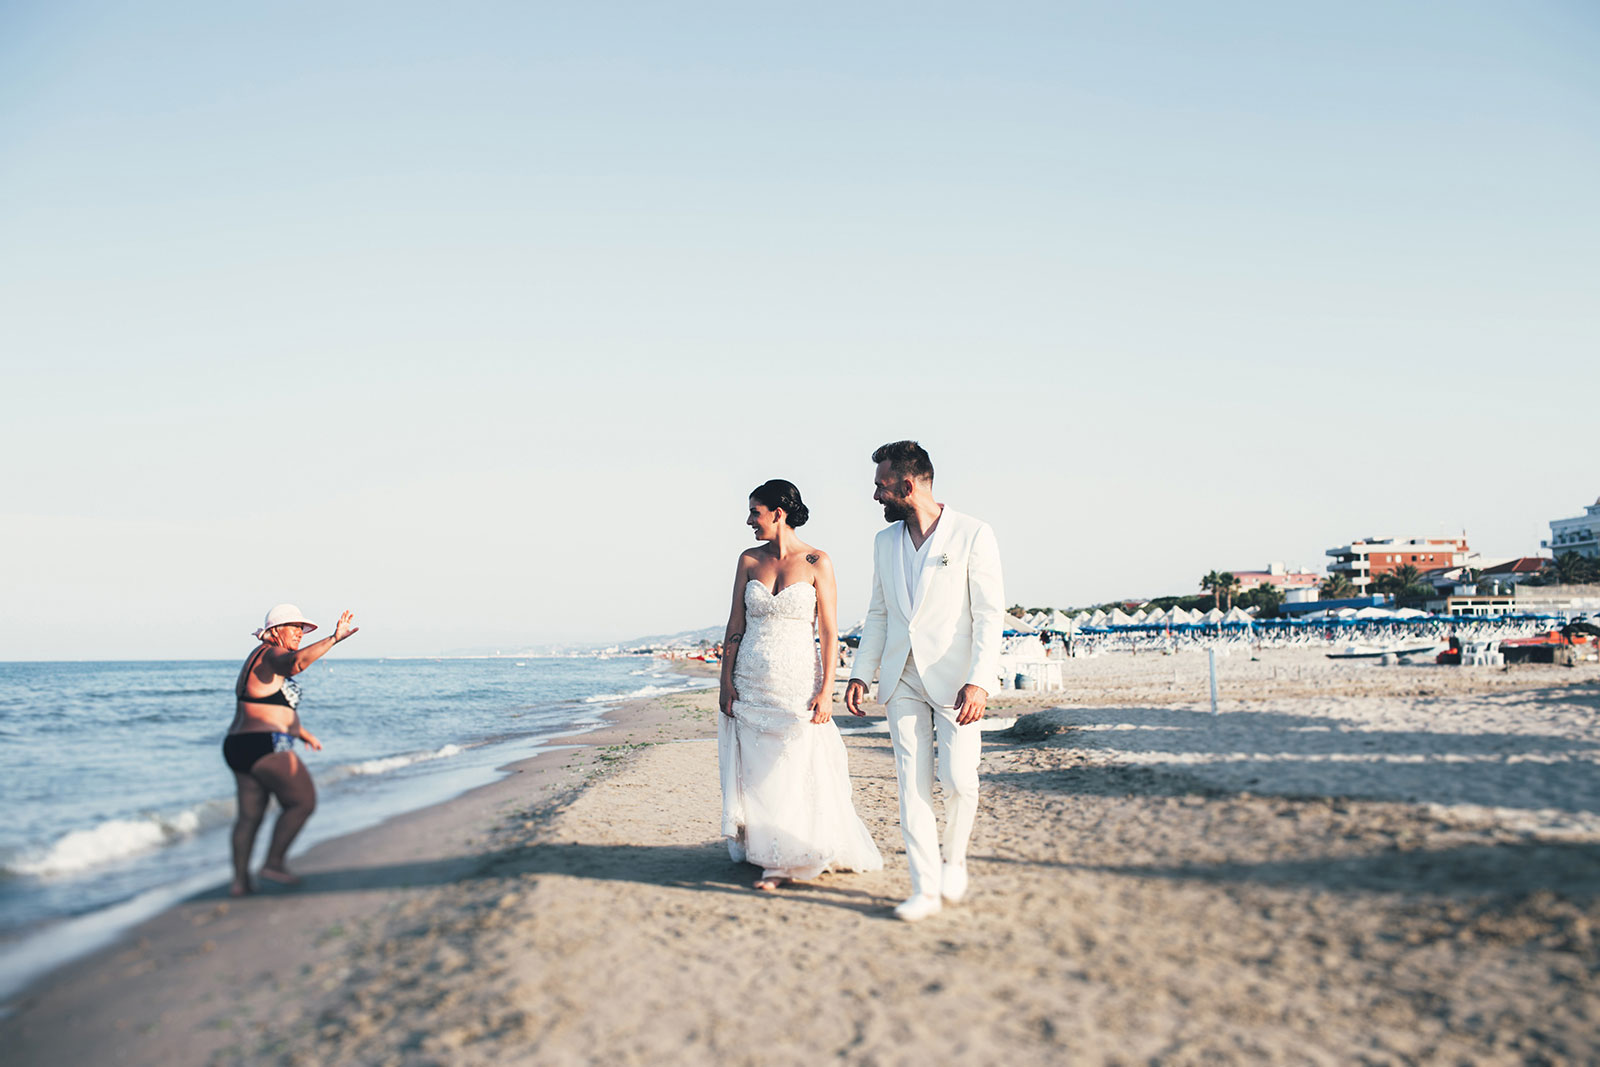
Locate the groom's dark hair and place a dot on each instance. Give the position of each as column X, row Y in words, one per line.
column 907, row 459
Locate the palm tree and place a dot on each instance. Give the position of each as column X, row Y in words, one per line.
column 1227, row 586
column 1337, row 587
column 1573, row 569
column 1212, row 583
column 1397, row 580
column 1265, row 598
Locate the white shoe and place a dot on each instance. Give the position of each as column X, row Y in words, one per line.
column 953, row 883
column 917, row 908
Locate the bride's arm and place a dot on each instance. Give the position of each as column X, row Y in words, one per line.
column 828, row 635
column 732, row 636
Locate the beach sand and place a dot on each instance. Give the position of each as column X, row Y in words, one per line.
column 1349, row 863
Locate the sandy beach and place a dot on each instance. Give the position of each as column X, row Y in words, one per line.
column 1349, row 863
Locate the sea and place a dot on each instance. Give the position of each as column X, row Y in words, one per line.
column 118, row 803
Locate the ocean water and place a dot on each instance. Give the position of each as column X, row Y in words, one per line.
column 118, row 802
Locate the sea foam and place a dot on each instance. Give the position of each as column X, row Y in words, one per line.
column 394, row 763
column 646, row 691
column 111, row 840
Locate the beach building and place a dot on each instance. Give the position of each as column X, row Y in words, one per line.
column 1279, row 575
column 1471, row 604
column 1294, row 608
column 1580, row 534
column 1363, row 562
column 1516, row 570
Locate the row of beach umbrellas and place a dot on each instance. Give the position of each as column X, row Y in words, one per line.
column 1059, row 622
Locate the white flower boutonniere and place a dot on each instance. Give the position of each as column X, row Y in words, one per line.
column 944, row 559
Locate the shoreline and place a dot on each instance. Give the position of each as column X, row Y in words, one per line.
column 1147, row 883
column 83, row 1009
column 92, row 932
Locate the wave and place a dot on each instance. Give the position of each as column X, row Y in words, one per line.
column 124, row 694
column 113, row 840
column 393, row 763
column 645, row 691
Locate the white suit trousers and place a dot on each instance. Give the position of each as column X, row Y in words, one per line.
column 917, row 726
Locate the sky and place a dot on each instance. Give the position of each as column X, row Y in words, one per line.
column 482, row 320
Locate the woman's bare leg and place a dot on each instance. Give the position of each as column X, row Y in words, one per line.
column 287, row 778
column 252, row 805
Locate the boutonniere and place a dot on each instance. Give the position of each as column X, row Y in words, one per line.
column 944, row 559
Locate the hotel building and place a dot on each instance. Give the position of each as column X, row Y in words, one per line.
column 1367, row 560
column 1580, row 534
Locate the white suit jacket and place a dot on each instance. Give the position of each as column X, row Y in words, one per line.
column 954, row 626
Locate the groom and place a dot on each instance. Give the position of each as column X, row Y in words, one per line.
column 934, row 628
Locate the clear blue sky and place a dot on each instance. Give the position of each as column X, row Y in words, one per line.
column 481, row 320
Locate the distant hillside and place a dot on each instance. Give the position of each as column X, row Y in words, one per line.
column 685, row 639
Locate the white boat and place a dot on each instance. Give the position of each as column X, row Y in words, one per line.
column 1377, row 652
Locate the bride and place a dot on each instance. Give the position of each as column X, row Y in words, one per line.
column 785, row 782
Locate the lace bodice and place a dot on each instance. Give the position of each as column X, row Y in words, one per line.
column 778, row 668
column 780, row 605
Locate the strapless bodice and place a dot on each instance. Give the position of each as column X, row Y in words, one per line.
column 797, row 602
column 777, row 666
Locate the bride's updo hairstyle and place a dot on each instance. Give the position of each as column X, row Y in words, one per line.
column 781, row 494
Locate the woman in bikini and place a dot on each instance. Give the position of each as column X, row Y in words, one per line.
column 259, row 748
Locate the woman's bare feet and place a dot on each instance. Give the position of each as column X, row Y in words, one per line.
column 767, row 885
column 240, row 889
column 282, row 877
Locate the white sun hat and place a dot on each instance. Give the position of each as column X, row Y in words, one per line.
column 285, row 615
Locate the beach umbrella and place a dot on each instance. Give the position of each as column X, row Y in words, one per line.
column 1138, row 618
column 1015, row 627
column 1214, row 615
column 1098, row 618
column 1177, row 616
column 1237, row 614
column 1060, row 622
column 1118, row 617
column 1082, row 618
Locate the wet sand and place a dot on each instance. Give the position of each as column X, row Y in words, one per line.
column 1349, row 863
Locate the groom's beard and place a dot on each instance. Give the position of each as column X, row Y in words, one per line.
column 894, row 512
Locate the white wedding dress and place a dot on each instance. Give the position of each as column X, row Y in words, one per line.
column 785, row 780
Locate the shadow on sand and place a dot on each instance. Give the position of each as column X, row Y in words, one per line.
column 702, row 867
column 1317, row 756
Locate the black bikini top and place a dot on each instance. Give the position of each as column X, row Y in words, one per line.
column 288, row 696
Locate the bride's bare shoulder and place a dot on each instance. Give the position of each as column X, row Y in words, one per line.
column 752, row 557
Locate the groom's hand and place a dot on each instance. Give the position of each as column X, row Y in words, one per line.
column 970, row 702
column 853, row 694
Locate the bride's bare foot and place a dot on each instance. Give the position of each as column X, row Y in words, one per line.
column 282, row 877
column 767, row 885
column 240, row 889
